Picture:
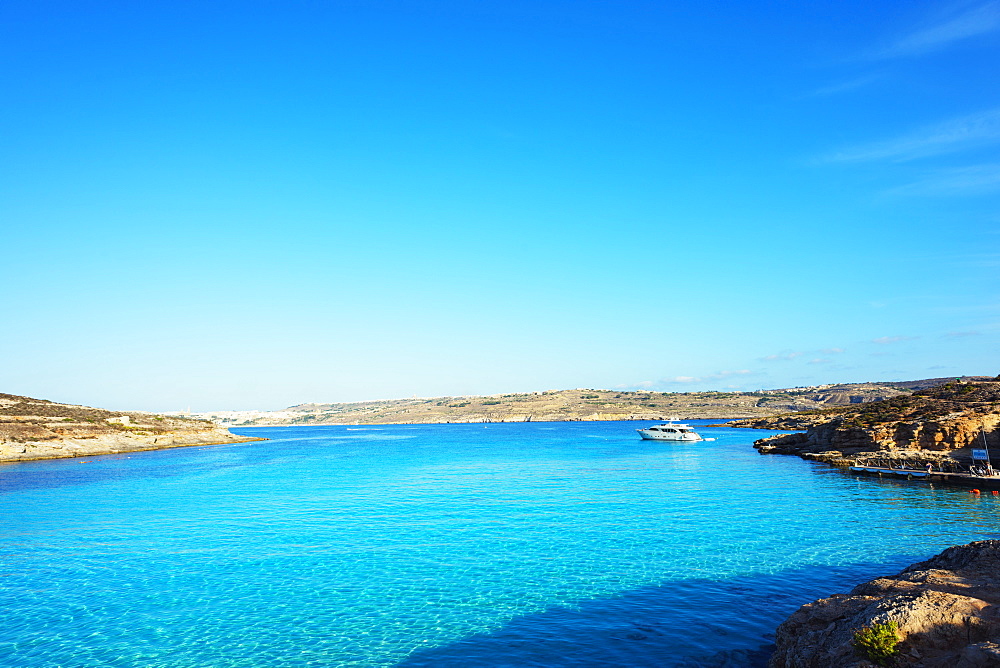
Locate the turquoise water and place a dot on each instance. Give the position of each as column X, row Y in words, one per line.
column 537, row 544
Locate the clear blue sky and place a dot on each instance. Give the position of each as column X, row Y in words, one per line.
column 241, row 205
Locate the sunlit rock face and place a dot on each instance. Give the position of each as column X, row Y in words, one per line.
column 40, row 429
column 947, row 611
column 944, row 421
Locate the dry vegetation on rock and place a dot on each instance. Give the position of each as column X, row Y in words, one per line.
column 41, row 429
column 945, row 422
column 946, row 611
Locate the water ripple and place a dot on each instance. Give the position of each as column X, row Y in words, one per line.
column 524, row 544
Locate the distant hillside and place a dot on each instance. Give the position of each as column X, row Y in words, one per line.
column 928, row 383
column 40, row 429
column 581, row 404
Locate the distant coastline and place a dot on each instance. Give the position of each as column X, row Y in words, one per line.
column 722, row 422
column 32, row 429
column 592, row 405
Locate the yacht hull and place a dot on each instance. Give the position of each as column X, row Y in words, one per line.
column 657, row 437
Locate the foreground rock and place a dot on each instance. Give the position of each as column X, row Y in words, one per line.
column 947, row 610
column 39, row 429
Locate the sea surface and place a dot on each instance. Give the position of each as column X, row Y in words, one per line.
column 529, row 544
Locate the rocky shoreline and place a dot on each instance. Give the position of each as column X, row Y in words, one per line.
column 940, row 425
column 939, row 613
column 32, row 429
column 112, row 445
column 944, row 612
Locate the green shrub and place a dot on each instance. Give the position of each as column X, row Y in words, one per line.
column 879, row 643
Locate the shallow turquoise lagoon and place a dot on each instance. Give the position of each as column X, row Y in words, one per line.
column 533, row 544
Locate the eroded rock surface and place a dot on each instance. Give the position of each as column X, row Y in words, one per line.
column 941, row 423
column 947, row 610
column 40, row 429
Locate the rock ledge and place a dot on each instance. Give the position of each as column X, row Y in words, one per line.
column 947, row 609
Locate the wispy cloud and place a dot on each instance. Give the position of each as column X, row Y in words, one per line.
column 972, row 180
column 781, row 357
column 788, row 356
column 721, row 375
column 846, row 86
column 886, row 340
column 727, row 374
column 976, row 20
column 954, row 135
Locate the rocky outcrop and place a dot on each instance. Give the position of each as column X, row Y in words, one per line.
column 39, row 429
column 945, row 422
column 113, row 444
column 787, row 421
column 946, row 610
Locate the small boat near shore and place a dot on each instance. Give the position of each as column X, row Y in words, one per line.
column 670, row 431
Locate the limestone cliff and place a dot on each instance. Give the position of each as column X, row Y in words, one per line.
column 40, row 429
column 943, row 422
column 947, row 611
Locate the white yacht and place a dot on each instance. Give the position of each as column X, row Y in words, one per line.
column 670, row 431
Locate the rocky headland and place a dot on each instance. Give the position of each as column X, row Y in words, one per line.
column 944, row 612
column 939, row 613
column 941, row 424
column 39, row 429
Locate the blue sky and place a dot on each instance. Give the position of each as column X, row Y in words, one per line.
column 248, row 205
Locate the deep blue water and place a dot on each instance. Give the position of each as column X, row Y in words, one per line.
column 537, row 544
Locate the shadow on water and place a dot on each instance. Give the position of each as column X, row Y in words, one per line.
column 696, row 623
